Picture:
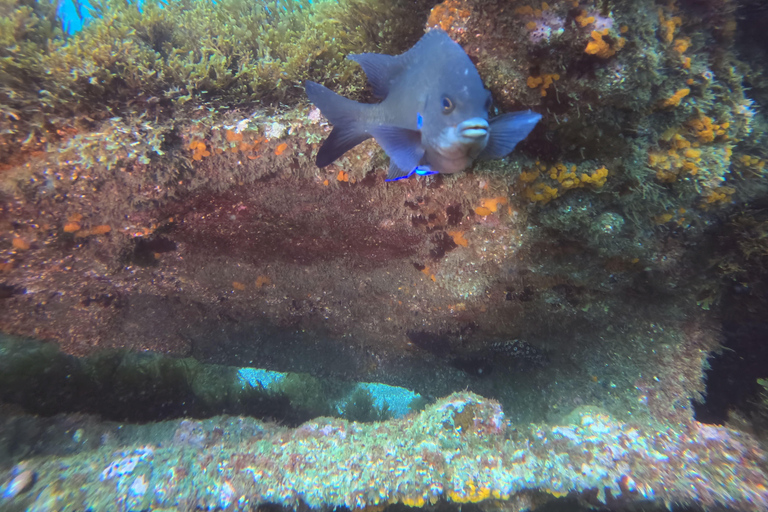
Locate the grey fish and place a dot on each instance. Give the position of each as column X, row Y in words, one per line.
column 433, row 117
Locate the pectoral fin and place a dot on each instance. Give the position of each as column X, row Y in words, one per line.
column 506, row 131
column 402, row 145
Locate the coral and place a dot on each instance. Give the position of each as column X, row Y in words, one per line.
column 682, row 44
column 601, row 47
column 668, row 25
column 544, row 81
column 596, row 21
column 565, row 178
column 584, row 20
column 704, row 130
column 719, row 195
column 699, row 150
column 752, row 164
column 20, row 244
column 263, row 281
column 199, row 150
column 100, row 230
column 427, row 271
column 671, row 164
column 490, row 205
column 542, row 24
column 458, row 238
column 676, row 98
column 541, row 193
column 450, row 14
column 626, row 70
column 597, row 178
column 676, row 216
column 280, row 149
column 461, row 449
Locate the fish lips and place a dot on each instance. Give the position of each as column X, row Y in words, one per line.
column 473, row 130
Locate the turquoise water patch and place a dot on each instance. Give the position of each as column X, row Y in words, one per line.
column 255, row 377
column 73, row 15
column 396, row 399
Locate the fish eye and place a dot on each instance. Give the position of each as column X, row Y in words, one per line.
column 447, row 105
column 488, row 103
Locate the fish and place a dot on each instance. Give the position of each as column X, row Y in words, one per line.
column 21, row 481
column 433, row 116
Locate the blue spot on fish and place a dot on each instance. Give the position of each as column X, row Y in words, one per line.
column 419, row 120
column 421, row 170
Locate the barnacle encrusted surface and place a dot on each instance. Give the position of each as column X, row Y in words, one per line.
column 160, row 194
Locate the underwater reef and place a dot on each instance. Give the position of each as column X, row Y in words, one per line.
column 461, row 449
column 164, row 223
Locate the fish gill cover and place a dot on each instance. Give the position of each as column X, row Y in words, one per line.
column 166, row 232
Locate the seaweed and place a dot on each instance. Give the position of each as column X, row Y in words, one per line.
column 134, row 58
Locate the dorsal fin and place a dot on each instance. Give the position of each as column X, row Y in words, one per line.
column 382, row 70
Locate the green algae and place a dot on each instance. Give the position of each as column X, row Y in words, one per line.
column 360, row 407
column 133, row 59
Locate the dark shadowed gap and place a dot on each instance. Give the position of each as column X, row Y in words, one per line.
column 732, row 379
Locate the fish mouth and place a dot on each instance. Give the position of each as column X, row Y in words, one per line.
column 472, row 129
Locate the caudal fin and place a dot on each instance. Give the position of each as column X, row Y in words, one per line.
column 344, row 115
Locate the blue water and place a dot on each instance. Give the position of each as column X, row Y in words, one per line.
column 70, row 17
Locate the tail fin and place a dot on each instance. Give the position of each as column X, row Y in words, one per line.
column 344, row 115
